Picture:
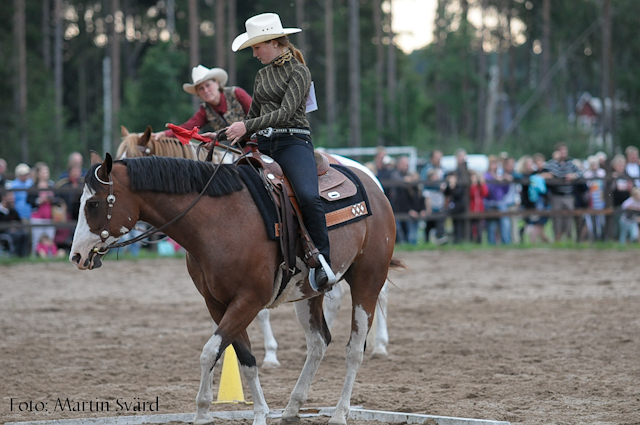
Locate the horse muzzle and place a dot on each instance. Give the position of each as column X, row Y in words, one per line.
column 93, row 260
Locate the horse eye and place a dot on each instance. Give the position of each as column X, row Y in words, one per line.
column 93, row 205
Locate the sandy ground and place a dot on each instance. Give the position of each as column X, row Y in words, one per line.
column 526, row 336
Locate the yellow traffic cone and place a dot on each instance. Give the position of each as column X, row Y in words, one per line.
column 230, row 388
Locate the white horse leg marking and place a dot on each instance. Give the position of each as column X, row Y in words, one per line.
column 355, row 353
column 205, row 393
column 260, row 408
column 331, row 303
column 270, row 343
column 382, row 332
column 316, row 347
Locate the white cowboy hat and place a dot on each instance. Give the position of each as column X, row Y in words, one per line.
column 263, row 27
column 200, row 74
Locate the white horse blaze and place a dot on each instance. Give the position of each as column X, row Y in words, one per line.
column 83, row 239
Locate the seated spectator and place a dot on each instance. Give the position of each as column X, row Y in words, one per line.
column 8, row 214
column 434, row 201
column 630, row 217
column 46, row 248
column 72, row 186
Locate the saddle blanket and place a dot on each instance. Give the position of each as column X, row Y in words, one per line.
column 339, row 212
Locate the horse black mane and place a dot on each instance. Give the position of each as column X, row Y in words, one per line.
column 175, row 176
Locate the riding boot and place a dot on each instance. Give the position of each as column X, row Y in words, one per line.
column 322, row 278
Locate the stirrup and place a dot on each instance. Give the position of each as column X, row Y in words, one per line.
column 331, row 277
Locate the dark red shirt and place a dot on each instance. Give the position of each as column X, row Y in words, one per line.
column 199, row 119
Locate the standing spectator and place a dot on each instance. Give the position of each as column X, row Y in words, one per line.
column 562, row 193
column 75, row 160
column 3, row 170
column 434, row 204
column 632, row 166
column 72, row 192
column 434, row 164
column 8, row 214
column 478, row 190
column 406, row 199
column 456, row 205
column 595, row 184
column 42, row 204
column 630, row 217
column 496, row 201
column 512, row 197
column 621, row 185
column 538, row 162
column 22, row 181
column 532, row 197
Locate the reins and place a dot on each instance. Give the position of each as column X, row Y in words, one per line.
column 111, row 199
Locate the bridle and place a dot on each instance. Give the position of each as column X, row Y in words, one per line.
column 101, row 248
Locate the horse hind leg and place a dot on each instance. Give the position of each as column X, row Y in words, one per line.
column 310, row 317
column 270, row 343
column 381, row 329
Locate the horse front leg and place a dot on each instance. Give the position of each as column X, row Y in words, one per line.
column 311, row 318
column 270, row 343
column 210, row 355
column 250, row 372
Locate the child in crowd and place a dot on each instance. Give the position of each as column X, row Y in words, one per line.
column 630, row 217
column 47, row 249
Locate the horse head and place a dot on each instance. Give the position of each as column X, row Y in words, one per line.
column 99, row 225
column 134, row 145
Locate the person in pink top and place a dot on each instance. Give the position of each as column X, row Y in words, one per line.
column 221, row 106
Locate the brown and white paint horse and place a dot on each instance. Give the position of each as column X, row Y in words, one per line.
column 234, row 264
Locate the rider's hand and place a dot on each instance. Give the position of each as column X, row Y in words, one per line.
column 235, row 131
column 158, row 135
column 211, row 136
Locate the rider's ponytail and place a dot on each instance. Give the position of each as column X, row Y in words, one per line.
column 284, row 41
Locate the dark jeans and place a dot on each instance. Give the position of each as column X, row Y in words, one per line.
column 295, row 156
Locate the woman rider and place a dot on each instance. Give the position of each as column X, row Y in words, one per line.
column 221, row 105
column 279, row 102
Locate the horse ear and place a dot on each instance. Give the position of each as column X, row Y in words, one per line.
column 144, row 139
column 95, row 157
column 108, row 162
column 105, row 168
column 123, row 131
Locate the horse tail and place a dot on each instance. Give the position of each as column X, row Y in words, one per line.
column 397, row 264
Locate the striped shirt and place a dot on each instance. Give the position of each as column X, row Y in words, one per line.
column 559, row 170
column 279, row 97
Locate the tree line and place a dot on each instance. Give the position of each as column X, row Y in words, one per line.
column 499, row 74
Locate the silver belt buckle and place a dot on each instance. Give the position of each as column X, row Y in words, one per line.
column 267, row 132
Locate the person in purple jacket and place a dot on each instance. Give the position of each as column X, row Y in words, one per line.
column 498, row 185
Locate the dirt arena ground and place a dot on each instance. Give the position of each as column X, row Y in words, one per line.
column 526, row 336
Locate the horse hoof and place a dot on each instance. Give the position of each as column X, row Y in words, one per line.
column 270, row 364
column 292, row 420
column 208, row 420
column 379, row 353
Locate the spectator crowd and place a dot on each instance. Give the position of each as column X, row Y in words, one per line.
column 512, row 200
